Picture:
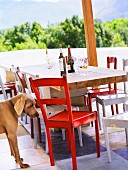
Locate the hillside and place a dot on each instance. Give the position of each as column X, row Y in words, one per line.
column 110, row 9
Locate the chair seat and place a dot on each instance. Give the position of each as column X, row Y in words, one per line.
column 119, row 117
column 11, row 85
column 100, row 91
column 6, row 89
column 112, row 98
column 51, row 110
column 64, row 117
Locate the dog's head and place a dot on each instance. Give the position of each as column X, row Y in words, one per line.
column 25, row 103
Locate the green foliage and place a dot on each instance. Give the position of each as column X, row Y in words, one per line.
column 70, row 32
column 117, row 41
column 73, row 33
column 103, row 35
column 119, row 31
column 53, row 36
column 37, row 33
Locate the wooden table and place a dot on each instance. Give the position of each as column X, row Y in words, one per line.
column 91, row 77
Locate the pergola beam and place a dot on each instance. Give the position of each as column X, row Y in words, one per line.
column 89, row 32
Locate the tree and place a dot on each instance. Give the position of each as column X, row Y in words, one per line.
column 70, row 32
column 103, row 35
column 73, row 32
column 16, row 35
column 53, row 36
column 118, row 26
column 37, row 33
column 117, row 41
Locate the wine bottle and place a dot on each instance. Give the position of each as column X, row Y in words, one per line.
column 62, row 62
column 70, row 61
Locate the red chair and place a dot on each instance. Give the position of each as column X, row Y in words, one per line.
column 67, row 119
column 12, row 86
column 92, row 93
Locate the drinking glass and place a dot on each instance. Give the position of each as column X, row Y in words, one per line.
column 81, row 64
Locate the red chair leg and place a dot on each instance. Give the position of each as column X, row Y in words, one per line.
column 73, row 149
column 39, row 129
column 15, row 92
column 86, row 100
column 68, row 140
column 90, row 105
column 90, row 102
column 32, row 128
column 50, row 147
column 112, row 109
column 97, row 137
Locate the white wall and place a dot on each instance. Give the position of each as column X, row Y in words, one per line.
column 32, row 57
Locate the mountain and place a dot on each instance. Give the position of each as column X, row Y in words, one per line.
column 110, row 9
column 17, row 12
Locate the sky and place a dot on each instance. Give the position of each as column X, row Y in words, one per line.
column 17, row 12
column 47, row 12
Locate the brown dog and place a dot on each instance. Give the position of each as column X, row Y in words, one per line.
column 9, row 112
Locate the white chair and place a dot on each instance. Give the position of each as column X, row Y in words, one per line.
column 18, row 86
column 4, row 90
column 119, row 120
column 125, row 68
column 111, row 99
column 108, row 100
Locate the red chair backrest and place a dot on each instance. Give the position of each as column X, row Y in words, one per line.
column 21, row 77
column 112, row 60
column 53, row 82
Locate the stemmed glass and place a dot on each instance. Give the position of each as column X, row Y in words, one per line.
column 81, row 64
column 50, row 66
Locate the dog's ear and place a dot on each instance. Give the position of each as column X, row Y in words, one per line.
column 19, row 106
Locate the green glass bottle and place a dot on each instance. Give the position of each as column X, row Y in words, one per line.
column 70, row 61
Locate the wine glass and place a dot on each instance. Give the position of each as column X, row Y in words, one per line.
column 81, row 64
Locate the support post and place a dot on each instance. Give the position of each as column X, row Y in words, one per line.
column 89, row 32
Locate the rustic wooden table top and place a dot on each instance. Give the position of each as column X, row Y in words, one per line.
column 91, row 77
